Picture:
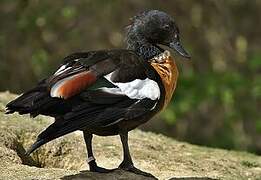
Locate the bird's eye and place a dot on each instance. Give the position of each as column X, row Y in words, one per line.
column 166, row 27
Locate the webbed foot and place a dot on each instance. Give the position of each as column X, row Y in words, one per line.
column 132, row 168
column 95, row 168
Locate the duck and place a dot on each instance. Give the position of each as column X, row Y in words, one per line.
column 109, row 92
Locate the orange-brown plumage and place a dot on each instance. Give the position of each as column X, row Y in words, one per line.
column 168, row 71
column 76, row 84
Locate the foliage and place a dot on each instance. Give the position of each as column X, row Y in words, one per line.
column 217, row 102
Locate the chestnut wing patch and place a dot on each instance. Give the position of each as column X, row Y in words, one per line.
column 72, row 85
column 123, row 69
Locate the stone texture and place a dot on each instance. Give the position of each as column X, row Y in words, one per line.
column 65, row 157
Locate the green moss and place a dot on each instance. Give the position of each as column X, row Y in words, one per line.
column 250, row 164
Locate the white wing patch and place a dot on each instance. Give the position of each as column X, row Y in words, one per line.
column 62, row 69
column 136, row 89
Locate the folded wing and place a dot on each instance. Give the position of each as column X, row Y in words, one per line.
column 95, row 90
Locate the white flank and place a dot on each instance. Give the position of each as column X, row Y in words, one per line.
column 112, row 90
column 138, row 88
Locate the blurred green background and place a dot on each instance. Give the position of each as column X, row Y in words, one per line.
column 218, row 99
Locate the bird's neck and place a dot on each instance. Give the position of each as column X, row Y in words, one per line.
column 142, row 47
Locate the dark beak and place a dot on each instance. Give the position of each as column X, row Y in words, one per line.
column 179, row 48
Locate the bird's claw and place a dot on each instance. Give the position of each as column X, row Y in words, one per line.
column 133, row 169
column 94, row 168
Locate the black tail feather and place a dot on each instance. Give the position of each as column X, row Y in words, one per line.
column 37, row 144
column 29, row 101
column 49, row 134
column 25, row 103
column 52, row 132
column 38, row 101
column 63, row 126
column 83, row 115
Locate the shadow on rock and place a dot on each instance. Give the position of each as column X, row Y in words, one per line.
column 117, row 174
column 192, row 178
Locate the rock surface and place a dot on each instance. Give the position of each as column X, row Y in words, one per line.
column 65, row 157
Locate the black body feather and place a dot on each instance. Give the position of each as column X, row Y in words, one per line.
column 98, row 111
column 108, row 92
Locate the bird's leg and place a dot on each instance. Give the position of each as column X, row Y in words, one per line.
column 91, row 160
column 127, row 163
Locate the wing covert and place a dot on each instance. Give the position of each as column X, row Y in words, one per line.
column 79, row 71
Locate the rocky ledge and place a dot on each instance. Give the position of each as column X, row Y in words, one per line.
column 65, row 158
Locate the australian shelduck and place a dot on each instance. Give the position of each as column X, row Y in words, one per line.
column 109, row 92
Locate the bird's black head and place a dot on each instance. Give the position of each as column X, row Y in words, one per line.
column 156, row 27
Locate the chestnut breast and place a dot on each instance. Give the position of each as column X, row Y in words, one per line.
column 166, row 67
